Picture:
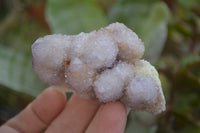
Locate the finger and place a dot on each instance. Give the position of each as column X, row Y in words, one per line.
column 39, row 114
column 76, row 116
column 110, row 118
column 7, row 129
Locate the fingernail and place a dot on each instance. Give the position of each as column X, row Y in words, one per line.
column 55, row 90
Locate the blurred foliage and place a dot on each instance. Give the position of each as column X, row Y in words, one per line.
column 74, row 16
column 16, row 72
column 170, row 30
column 148, row 19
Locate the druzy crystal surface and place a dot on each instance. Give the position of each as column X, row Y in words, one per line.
column 103, row 65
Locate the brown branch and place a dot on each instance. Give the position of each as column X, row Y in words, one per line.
column 9, row 21
column 171, row 4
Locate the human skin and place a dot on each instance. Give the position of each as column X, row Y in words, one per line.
column 51, row 112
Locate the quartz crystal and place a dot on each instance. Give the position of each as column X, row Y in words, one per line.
column 103, row 65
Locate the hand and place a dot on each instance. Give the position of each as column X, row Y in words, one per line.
column 49, row 112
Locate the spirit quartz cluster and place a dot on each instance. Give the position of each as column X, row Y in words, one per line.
column 103, row 65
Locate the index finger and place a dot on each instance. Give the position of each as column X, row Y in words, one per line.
column 110, row 118
column 38, row 115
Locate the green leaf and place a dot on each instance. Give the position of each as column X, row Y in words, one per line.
column 17, row 73
column 185, row 105
column 148, row 20
column 18, row 31
column 189, row 77
column 74, row 16
column 186, row 8
column 154, row 31
column 141, row 122
column 140, row 1
column 188, row 60
column 188, row 3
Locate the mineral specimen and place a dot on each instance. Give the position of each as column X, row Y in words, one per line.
column 103, row 65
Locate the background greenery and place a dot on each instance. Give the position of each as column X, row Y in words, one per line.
column 170, row 30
